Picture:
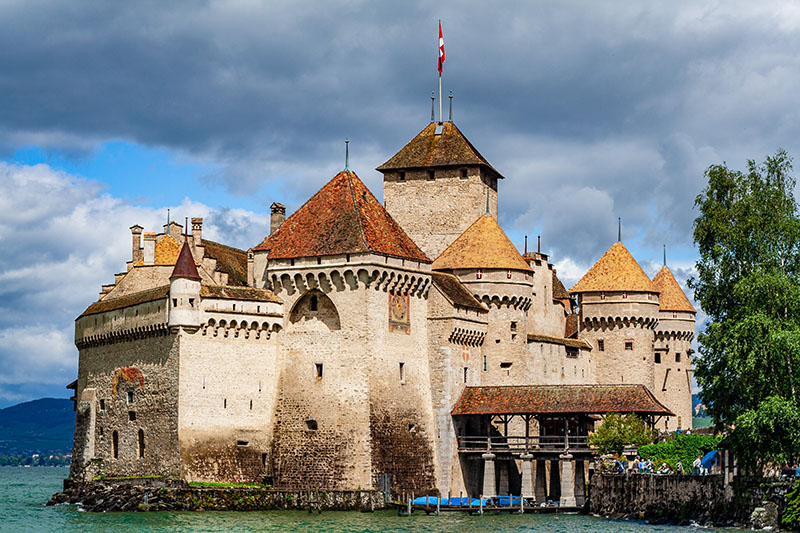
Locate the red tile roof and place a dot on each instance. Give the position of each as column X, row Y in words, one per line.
column 559, row 399
column 184, row 266
column 550, row 339
column 343, row 217
column 149, row 295
column 450, row 148
column 571, row 326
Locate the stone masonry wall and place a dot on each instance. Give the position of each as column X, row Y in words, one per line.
column 151, row 407
column 228, row 385
column 673, row 370
column 435, row 212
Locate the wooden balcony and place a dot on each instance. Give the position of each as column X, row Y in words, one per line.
column 535, row 445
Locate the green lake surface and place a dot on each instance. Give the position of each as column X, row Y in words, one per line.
column 24, row 492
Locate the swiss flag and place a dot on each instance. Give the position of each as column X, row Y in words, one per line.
column 441, row 47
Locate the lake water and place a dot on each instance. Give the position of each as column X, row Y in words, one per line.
column 24, row 491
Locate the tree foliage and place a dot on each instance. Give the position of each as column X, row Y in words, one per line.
column 617, row 431
column 748, row 282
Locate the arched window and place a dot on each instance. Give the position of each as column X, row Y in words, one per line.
column 141, row 443
column 115, row 444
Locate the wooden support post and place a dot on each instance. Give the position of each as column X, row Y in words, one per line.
column 527, row 431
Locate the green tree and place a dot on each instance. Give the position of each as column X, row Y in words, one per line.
column 617, row 431
column 748, row 282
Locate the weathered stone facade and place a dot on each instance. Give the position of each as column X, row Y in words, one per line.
column 335, row 350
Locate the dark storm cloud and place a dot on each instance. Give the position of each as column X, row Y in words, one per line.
column 591, row 110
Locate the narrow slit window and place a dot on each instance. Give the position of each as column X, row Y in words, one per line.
column 251, row 405
column 463, row 173
column 657, row 358
column 402, row 176
column 174, row 302
column 130, row 396
column 141, row 443
column 224, row 403
column 485, row 363
column 431, row 175
column 402, row 372
column 677, row 357
column 115, row 444
column 314, row 302
column 466, row 370
column 102, row 405
column 601, row 345
column 191, row 302
column 132, row 416
column 318, row 370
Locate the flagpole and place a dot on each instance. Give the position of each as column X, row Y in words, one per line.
column 440, row 75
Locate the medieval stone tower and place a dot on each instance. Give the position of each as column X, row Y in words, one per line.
column 618, row 313
column 673, row 349
column 440, row 170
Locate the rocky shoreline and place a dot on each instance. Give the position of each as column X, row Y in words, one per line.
column 142, row 495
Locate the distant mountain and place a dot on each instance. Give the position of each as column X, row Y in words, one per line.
column 39, row 426
column 701, row 413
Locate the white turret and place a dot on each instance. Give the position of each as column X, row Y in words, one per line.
column 184, row 292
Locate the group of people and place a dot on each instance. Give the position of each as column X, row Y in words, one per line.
column 646, row 466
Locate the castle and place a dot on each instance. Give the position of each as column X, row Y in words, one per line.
column 407, row 343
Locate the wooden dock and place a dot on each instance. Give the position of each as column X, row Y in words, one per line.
column 405, row 508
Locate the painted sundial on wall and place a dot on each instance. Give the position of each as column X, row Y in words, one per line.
column 398, row 313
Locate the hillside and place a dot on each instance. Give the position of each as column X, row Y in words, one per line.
column 45, row 425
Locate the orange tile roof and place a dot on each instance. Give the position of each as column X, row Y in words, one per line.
column 167, row 251
column 483, row 245
column 450, row 148
column 559, row 292
column 563, row 341
column 558, row 399
column 617, row 270
column 672, row 297
column 343, row 217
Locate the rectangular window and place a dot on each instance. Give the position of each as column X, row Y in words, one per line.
column 132, row 416
column 130, row 396
column 572, row 352
column 102, row 405
column 601, row 345
column 513, row 326
column 658, row 358
column 431, row 175
column 505, row 366
column 318, row 368
column 402, row 176
column 191, row 302
column 677, row 357
column 463, row 173
column 174, row 302
column 629, row 345
column 402, row 372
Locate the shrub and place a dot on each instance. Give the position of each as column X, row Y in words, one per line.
column 683, row 448
column 791, row 515
column 618, row 431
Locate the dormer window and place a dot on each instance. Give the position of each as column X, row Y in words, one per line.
column 431, row 175
column 402, row 176
column 479, row 274
column 674, row 314
column 508, row 274
column 602, row 296
column 624, row 295
column 463, row 173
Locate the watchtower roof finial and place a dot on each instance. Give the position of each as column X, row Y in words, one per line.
column 451, row 106
column 665, row 255
column 347, row 154
column 433, row 106
column 619, row 229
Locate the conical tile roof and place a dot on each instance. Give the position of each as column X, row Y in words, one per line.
column 184, row 266
column 483, row 245
column 341, row 218
column 617, row 270
column 450, row 148
column 672, row 297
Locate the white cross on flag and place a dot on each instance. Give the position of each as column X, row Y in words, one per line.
column 441, row 47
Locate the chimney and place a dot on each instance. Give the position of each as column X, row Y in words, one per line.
column 197, row 237
column 149, row 248
column 278, row 215
column 136, row 244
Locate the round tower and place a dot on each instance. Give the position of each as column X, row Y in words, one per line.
column 618, row 313
column 673, row 349
column 184, row 292
column 488, row 264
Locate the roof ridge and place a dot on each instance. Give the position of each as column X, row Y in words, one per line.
column 358, row 212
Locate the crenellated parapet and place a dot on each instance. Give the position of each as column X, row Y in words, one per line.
column 499, row 301
column 682, row 335
column 242, row 329
column 602, row 323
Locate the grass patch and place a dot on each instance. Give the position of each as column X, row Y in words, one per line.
column 213, row 484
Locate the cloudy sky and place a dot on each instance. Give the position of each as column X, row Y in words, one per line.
column 113, row 112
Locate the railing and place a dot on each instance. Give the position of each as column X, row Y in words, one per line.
column 517, row 444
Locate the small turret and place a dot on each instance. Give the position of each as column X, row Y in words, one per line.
column 184, row 292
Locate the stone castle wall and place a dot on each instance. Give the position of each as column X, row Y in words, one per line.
column 149, row 405
column 673, row 368
column 624, row 323
column 451, row 203
column 228, row 384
